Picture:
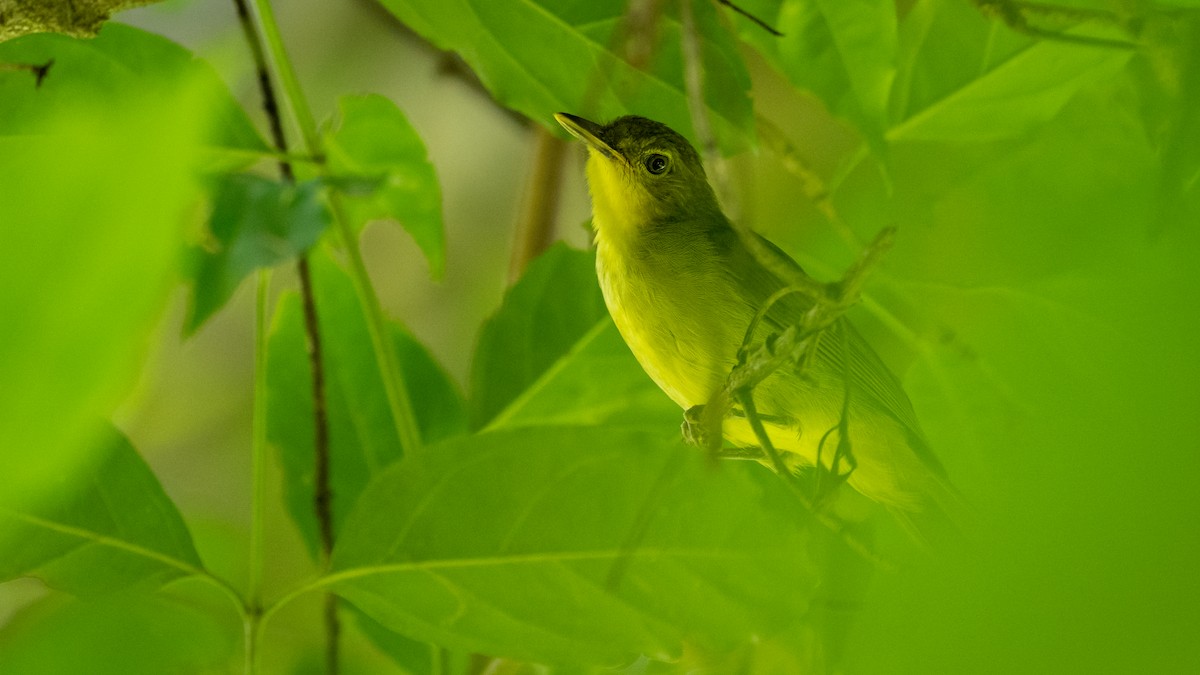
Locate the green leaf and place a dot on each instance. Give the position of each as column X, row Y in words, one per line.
column 570, row 58
column 999, row 87
column 126, row 634
column 362, row 434
column 370, row 140
column 1169, row 86
column 704, row 557
column 550, row 355
column 554, row 305
column 255, row 222
column 120, row 70
column 414, row 657
column 597, row 381
column 843, row 52
column 1044, row 301
column 116, row 529
column 98, row 176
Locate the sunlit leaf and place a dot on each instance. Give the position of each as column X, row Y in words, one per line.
column 1041, row 295
column 573, row 57
column 596, row 382
column 843, row 52
column 120, row 70
column 1170, row 91
column 362, row 434
column 370, row 138
column 98, row 180
column 550, row 355
column 415, row 657
column 255, row 222
column 703, row 556
column 553, row 306
column 114, row 530
column 129, row 634
column 999, row 87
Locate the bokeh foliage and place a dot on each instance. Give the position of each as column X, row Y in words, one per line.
column 1044, row 173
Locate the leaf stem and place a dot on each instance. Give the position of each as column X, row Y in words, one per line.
column 535, row 229
column 287, row 75
column 322, row 494
column 104, row 540
column 389, row 365
column 259, row 446
column 385, row 353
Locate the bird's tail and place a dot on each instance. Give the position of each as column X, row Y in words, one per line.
column 937, row 517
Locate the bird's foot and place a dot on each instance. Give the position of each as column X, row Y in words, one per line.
column 693, row 429
column 752, row 453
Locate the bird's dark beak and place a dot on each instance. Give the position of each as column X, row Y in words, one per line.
column 588, row 132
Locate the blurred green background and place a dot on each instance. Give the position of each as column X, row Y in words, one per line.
column 1040, row 305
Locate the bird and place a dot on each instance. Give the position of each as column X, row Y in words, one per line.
column 682, row 288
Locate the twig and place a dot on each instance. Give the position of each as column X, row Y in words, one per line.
column 39, row 70
column 258, row 471
column 757, row 21
column 693, row 75
column 322, row 492
column 793, row 345
column 745, row 398
column 1015, row 14
column 535, row 228
column 814, row 187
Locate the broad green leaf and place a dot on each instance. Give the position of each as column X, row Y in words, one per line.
column 998, row 87
column 80, row 18
column 1169, row 85
column 98, row 181
column 255, row 222
column 1066, row 383
column 1079, row 189
column 596, row 382
column 542, row 317
column 1044, row 303
column 702, row 556
column 573, row 57
column 362, row 434
column 114, row 530
column 371, row 140
column 550, row 355
column 120, row 70
column 843, row 52
column 128, row 634
column 415, row 657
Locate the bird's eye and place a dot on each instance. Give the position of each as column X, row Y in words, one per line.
column 657, row 164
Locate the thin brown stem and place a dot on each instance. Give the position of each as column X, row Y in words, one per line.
column 38, row 70
column 1016, row 15
column 323, row 494
column 757, row 21
column 535, row 228
column 793, row 346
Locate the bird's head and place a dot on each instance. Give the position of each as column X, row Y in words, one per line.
column 641, row 174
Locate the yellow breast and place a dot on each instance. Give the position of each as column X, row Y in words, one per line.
column 676, row 322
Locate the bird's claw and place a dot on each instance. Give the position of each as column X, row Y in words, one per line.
column 693, row 427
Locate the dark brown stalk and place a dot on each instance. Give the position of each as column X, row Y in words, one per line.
column 535, row 229
column 323, row 495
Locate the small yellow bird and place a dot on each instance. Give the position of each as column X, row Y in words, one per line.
column 682, row 289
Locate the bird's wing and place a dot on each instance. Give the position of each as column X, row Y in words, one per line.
column 872, row 382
